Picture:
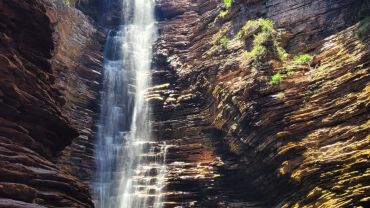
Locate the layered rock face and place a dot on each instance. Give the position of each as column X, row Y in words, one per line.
column 245, row 127
column 262, row 128
column 48, row 89
column 77, row 63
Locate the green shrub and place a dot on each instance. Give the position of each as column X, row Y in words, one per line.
column 304, row 58
column 289, row 69
column 261, row 38
column 228, row 4
column 223, row 13
column 265, row 24
column 281, row 53
column 267, row 36
column 257, row 52
column 277, row 78
column 223, row 40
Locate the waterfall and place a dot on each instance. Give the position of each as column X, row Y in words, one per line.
column 130, row 165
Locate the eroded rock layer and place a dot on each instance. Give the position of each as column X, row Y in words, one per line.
column 248, row 123
column 48, row 93
column 257, row 126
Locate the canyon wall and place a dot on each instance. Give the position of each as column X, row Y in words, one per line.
column 50, row 57
column 245, row 127
column 252, row 125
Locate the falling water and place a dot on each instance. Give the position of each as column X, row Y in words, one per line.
column 130, row 166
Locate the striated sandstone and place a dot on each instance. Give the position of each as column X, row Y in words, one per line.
column 77, row 62
column 235, row 138
column 303, row 142
column 48, row 91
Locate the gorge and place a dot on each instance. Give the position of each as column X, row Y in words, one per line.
column 184, row 103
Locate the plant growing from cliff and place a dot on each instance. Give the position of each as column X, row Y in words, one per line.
column 360, row 46
column 223, row 13
column 303, row 59
column 262, row 39
column 289, row 69
column 266, row 25
column 281, row 53
column 277, row 78
column 257, row 53
column 223, row 40
column 225, row 8
column 228, row 4
column 217, row 36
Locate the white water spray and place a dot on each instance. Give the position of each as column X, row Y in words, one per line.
column 130, row 166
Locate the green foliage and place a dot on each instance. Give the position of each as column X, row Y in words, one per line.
column 265, row 39
column 245, row 27
column 228, row 4
column 256, row 53
column 289, row 69
column 66, row 2
column 261, row 38
column 304, row 58
column 364, row 27
column 223, row 41
column 265, row 24
column 277, row 78
column 223, row 13
column 360, row 46
column 281, row 53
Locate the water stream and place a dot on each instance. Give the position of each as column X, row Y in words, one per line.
column 130, row 165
